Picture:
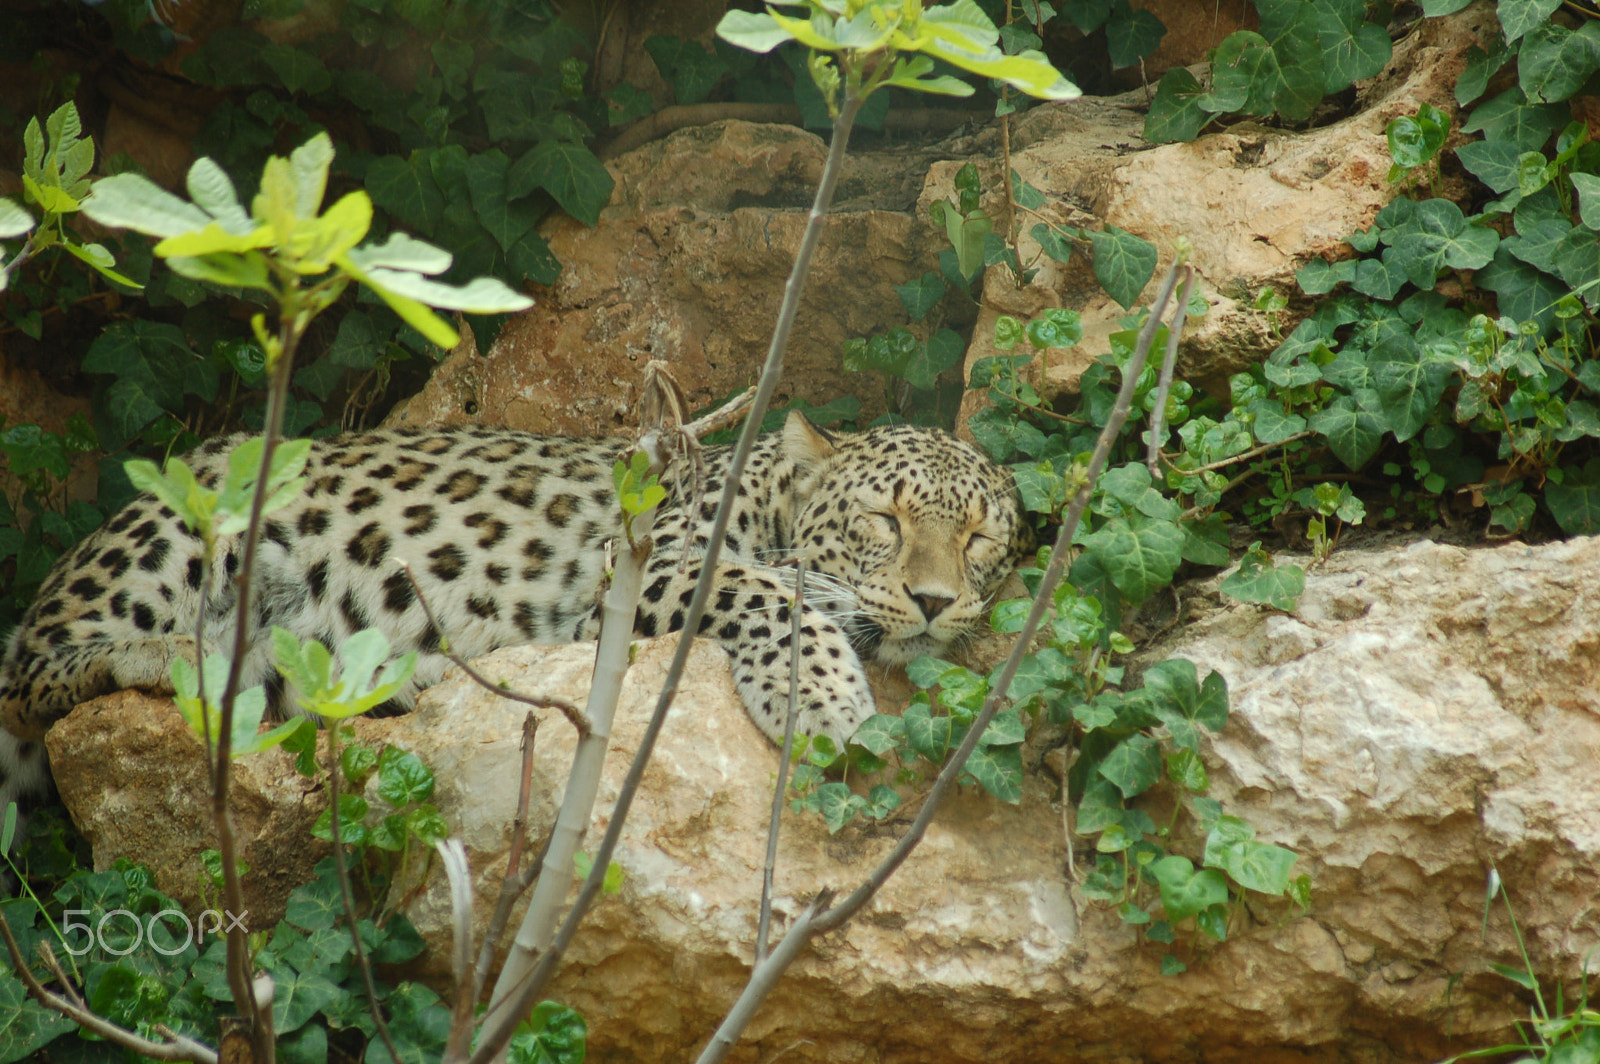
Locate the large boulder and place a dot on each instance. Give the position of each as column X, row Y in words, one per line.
column 1426, row 713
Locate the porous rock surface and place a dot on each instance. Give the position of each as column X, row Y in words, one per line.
column 1427, row 712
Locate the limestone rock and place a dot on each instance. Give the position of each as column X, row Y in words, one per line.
column 688, row 265
column 134, row 779
column 1426, row 713
column 1254, row 203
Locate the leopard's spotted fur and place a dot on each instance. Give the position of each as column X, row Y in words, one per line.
column 506, row 534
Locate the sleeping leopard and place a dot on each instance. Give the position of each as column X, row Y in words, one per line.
column 506, row 534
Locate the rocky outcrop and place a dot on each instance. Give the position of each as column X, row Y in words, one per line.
column 1425, row 714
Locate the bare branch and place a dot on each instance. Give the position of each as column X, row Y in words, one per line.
column 819, row 918
column 180, row 1048
column 510, row 1001
column 454, row 855
column 575, row 716
column 764, row 922
column 514, row 884
column 495, row 1036
column 763, row 978
column 1042, row 601
column 1158, row 416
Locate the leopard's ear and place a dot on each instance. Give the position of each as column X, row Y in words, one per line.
column 803, row 443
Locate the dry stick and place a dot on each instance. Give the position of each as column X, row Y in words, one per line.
column 492, row 1041
column 765, row 920
column 1254, row 452
column 538, row 927
column 575, row 716
column 1158, row 417
column 454, row 856
column 514, row 884
column 821, row 918
column 180, row 1048
column 238, row 951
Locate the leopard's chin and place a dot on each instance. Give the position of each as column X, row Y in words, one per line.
column 904, row 651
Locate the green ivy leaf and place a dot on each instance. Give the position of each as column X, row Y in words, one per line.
column 570, row 173
column 406, row 189
column 1185, row 892
column 1519, row 17
column 25, row 1025
column 402, row 777
column 1409, row 385
column 1352, row 47
column 1140, row 553
column 1492, row 162
column 692, row 69
column 880, row 733
column 1259, row 580
column 1525, row 293
column 1132, row 34
column 1243, row 73
column 1575, row 502
column 922, row 294
column 1134, row 765
column 944, row 350
column 1509, row 118
column 1353, row 433
column 998, row 770
column 505, row 219
column 1123, row 263
column 299, row 71
column 1259, row 866
column 1555, row 61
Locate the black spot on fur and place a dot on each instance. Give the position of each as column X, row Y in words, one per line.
column 317, row 580
column 369, row 546
column 144, row 618
column 363, row 499
column 156, row 556
column 420, row 519
column 115, row 562
column 462, row 485
column 397, row 593
column 86, row 587
column 354, row 615
column 313, row 522
column 560, row 510
column 447, row 562
column 492, row 529
column 194, row 574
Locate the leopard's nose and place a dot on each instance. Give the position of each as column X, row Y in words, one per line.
column 931, row 605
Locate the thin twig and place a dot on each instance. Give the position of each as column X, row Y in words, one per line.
column 1158, row 416
column 512, row 886
column 765, row 921
column 1254, row 452
column 575, row 716
column 821, row 918
column 238, row 949
column 454, row 856
column 495, row 1037
column 180, row 1048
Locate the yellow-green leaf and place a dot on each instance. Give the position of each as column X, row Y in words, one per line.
column 49, row 198
column 214, row 240
column 317, row 242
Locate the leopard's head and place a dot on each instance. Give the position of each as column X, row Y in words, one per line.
column 919, row 523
